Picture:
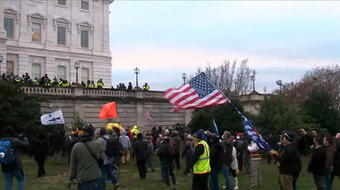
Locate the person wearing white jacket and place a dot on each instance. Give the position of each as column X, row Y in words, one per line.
column 256, row 159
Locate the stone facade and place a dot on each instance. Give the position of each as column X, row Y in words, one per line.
column 131, row 106
column 49, row 36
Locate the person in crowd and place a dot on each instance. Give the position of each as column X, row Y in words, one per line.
column 317, row 163
column 85, row 162
column 336, row 168
column 35, row 81
column 100, row 83
column 54, row 81
column 288, row 161
column 57, row 144
column 140, row 151
column 150, row 154
column 186, row 154
column 177, row 148
column 107, row 168
column 240, row 148
column 39, row 150
column 330, row 152
column 126, row 146
column 90, row 84
column 229, row 161
column 14, row 167
column 135, row 132
column 146, row 87
column 165, row 154
column 129, row 88
column 216, row 160
column 255, row 159
column 154, row 134
column 200, row 162
column 83, row 84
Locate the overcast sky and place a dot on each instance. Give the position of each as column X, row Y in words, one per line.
column 281, row 40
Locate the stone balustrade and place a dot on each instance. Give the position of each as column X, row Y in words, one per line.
column 78, row 91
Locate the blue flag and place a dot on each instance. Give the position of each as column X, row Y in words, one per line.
column 255, row 136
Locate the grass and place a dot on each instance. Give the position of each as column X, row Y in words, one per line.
column 57, row 175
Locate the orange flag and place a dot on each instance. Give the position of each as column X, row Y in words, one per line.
column 108, row 111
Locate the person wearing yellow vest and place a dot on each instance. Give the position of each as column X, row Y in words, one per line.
column 135, row 132
column 201, row 162
column 146, row 87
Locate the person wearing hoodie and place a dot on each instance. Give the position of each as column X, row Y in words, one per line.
column 126, row 146
column 107, row 168
column 216, row 160
column 85, row 162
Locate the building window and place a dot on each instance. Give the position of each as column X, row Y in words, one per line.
column 36, row 70
column 36, row 32
column 61, row 72
column 84, row 4
column 9, row 67
column 61, row 35
column 61, row 2
column 84, row 38
column 9, row 27
column 85, row 75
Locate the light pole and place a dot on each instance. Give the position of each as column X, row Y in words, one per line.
column 136, row 72
column 76, row 65
column 1, row 59
column 184, row 76
column 279, row 82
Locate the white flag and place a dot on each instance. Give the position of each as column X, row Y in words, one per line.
column 53, row 118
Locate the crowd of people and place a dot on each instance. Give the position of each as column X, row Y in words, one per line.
column 94, row 154
column 45, row 81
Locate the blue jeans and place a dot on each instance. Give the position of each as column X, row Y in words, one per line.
column 329, row 178
column 19, row 174
column 214, row 179
column 97, row 184
column 226, row 173
column 108, row 171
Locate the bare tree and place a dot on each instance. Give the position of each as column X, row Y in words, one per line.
column 225, row 75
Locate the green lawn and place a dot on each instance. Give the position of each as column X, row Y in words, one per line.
column 57, row 176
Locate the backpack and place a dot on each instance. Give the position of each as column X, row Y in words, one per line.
column 112, row 147
column 228, row 153
column 7, row 154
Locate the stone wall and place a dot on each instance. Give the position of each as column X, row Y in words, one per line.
column 131, row 106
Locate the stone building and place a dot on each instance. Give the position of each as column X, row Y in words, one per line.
column 56, row 37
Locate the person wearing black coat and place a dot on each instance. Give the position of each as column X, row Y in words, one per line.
column 166, row 156
column 140, row 151
column 187, row 153
column 39, row 150
column 317, row 163
column 216, row 160
column 336, row 169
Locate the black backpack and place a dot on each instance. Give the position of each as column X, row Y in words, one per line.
column 228, row 152
column 112, row 147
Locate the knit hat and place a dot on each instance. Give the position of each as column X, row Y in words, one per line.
column 198, row 134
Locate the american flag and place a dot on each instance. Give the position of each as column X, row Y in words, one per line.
column 198, row 93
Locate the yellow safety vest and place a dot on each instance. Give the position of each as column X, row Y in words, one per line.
column 202, row 166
